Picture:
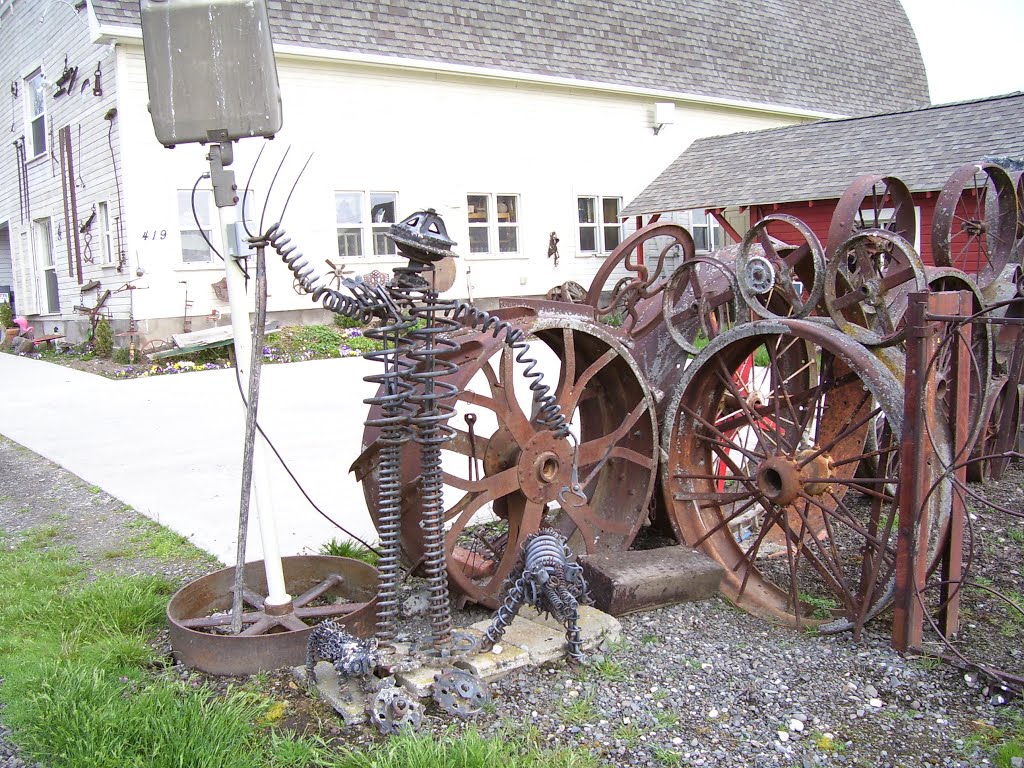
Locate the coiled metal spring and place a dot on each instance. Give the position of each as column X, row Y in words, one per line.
column 362, row 306
column 393, row 389
column 549, row 413
column 432, row 396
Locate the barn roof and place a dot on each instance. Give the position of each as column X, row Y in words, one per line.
column 830, row 56
column 816, row 161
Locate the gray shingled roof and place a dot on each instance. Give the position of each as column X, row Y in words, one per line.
column 838, row 56
column 816, row 161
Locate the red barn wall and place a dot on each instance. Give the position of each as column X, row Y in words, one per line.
column 817, row 214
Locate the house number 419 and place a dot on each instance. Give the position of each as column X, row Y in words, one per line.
column 154, row 235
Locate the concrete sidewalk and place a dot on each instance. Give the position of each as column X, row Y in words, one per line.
column 171, row 446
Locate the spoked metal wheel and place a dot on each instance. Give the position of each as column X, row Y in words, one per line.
column 867, row 284
column 873, row 201
column 781, row 267
column 701, row 301
column 506, row 476
column 762, row 477
column 975, row 222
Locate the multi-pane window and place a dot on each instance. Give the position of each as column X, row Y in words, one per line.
column 363, row 220
column 708, row 234
column 43, row 234
column 36, row 113
column 106, row 234
column 197, row 229
column 493, row 219
column 599, row 226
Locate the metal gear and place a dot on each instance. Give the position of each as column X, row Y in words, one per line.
column 393, row 709
column 461, row 693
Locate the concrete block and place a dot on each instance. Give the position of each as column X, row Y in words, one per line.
column 595, row 626
column 623, row 582
column 418, row 681
column 344, row 695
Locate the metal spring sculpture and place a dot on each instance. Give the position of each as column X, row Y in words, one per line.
column 414, row 405
column 549, row 579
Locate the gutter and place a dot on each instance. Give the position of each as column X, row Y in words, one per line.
column 106, row 33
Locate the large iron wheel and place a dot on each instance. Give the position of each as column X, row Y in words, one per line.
column 506, row 476
column 873, row 201
column 762, row 476
column 868, row 283
column 781, row 277
column 701, row 301
column 975, row 222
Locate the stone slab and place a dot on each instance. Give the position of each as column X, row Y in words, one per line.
column 419, row 681
column 541, row 643
column 624, row 582
column 345, row 696
column 493, row 666
column 595, row 626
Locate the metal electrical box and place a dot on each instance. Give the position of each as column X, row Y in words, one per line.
column 211, row 70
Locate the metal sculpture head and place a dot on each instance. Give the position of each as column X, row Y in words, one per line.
column 422, row 237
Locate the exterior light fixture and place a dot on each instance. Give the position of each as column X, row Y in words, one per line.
column 664, row 114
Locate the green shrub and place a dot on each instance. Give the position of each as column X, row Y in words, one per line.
column 343, row 321
column 121, row 355
column 349, row 548
column 6, row 316
column 104, row 338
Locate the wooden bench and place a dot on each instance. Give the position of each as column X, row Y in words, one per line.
column 47, row 339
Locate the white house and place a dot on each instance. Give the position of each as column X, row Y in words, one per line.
column 513, row 120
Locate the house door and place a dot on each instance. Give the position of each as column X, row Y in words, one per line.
column 6, row 267
column 43, row 233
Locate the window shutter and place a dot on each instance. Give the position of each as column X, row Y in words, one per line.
column 26, row 299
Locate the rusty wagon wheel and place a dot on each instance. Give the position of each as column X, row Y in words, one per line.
column 867, row 284
column 975, row 222
column 781, row 278
column 873, row 201
column 763, row 481
column 505, row 475
column 701, row 301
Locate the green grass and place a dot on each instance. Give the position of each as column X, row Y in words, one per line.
column 307, row 342
column 668, row 757
column 349, row 548
column 630, row 734
column 610, row 670
column 666, row 718
column 822, row 607
column 1016, row 534
column 471, row 750
column 81, row 681
column 163, row 544
column 579, row 711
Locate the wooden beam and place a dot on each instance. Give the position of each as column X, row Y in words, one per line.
column 724, row 224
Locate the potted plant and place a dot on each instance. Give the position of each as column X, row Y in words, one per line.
column 7, row 323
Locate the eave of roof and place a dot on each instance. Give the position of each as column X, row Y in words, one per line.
column 816, row 161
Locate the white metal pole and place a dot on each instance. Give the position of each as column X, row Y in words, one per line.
column 277, row 594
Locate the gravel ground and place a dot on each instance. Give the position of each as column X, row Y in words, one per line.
column 698, row 684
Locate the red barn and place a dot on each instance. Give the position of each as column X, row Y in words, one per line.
column 803, row 170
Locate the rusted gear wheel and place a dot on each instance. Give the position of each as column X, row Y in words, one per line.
column 761, row 471
column 867, row 285
column 975, row 222
column 505, row 475
column 701, row 301
column 781, row 267
column 873, row 201
column 650, row 245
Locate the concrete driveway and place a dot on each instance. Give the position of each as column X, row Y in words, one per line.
column 171, row 446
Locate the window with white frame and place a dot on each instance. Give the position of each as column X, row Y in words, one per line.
column 42, row 233
column 600, row 229
column 35, row 112
column 196, row 216
column 707, row 233
column 107, row 255
column 493, row 220
column 363, row 219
